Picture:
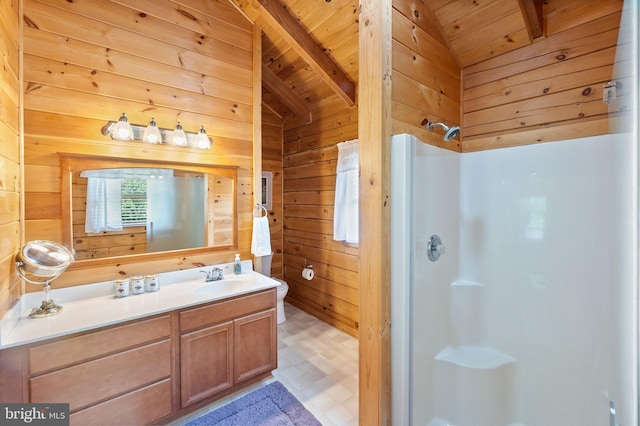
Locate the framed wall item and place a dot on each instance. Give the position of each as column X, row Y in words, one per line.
column 267, row 179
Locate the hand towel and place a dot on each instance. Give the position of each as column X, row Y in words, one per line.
column 260, row 238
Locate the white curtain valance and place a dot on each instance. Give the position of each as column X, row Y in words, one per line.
column 346, row 225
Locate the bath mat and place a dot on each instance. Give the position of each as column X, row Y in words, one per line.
column 269, row 405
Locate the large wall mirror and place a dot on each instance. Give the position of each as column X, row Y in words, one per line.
column 114, row 207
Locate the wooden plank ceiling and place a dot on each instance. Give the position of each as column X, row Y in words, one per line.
column 307, row 46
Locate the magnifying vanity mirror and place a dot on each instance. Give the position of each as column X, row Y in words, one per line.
column 40, row 262
column 119, row 207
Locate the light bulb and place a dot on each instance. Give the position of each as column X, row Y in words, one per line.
column 202, row 140
column 178, row 137
column 152, row 133
column 122, row 130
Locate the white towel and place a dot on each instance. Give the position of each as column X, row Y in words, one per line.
column 261, row 239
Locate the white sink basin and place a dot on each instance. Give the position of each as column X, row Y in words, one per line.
column 226, row 285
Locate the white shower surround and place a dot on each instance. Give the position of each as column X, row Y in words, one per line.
column 546, row 230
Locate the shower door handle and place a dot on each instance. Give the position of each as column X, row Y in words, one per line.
column 435, row 248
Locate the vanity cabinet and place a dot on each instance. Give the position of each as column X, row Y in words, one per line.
column 118, row 375
column 149, row 370
column 226, row 343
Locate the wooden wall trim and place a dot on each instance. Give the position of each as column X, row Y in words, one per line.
column 374, row 78
column 21, row 117
column 12, row 209
column 257, row 114
column 532, row 10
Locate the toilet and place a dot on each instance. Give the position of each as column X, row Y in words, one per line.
column 281, row 290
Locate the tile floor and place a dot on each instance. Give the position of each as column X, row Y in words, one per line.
column 318, row 364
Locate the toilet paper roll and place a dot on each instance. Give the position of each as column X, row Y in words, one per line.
column 307, row 274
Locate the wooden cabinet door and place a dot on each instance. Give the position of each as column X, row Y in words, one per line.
column 255, row 345
column 12, row 380
column 206, row 362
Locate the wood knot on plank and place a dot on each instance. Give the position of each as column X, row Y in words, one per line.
column 187, row 15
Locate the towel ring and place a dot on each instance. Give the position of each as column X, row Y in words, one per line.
column 259, row 209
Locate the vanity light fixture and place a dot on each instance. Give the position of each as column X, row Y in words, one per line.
column 178, row 137
column 122, row 130
column 152, row 133
column 202, row 141
column 155, row 135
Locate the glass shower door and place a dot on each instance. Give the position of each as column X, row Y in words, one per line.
column 175, row 213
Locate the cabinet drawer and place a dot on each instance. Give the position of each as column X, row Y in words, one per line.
column 95, row 381
column 140, row 407
column 218, row 312
column 66, row 352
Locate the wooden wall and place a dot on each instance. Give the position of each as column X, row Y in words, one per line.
column 87, row 62
column 310, row 156
column 10, row 153
column 426, row 76
column 550, row 90
column 547, row 91
column 308, row 160
column 272, row 127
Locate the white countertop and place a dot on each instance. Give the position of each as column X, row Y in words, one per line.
column 93, row 305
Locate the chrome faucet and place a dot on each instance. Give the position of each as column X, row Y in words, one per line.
column 213, row 275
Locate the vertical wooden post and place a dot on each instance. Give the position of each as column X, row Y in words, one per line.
column 257, row 114
column 374, row 134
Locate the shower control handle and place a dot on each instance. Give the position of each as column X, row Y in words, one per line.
column 435, row 248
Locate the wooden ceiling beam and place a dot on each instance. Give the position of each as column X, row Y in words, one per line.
column 300, row 41
column 274, row 14
column 532, row 11
column 276, row 86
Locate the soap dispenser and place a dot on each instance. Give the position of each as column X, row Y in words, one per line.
column 237, row 267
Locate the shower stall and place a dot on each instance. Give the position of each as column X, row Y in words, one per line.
column 514, row 278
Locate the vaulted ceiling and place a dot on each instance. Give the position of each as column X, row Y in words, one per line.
column 310, row 48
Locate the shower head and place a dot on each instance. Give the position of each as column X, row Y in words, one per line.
column 449, row 132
